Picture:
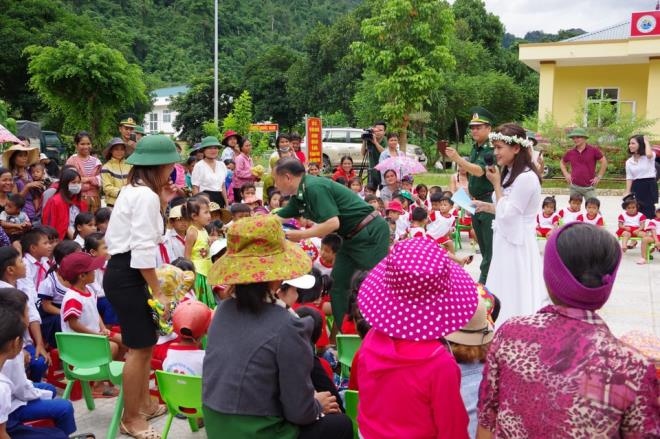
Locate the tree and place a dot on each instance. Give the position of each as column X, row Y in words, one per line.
column 240, row 117
column 196, row 106
column 406, row 49
column 475, row 24
column 88, row 85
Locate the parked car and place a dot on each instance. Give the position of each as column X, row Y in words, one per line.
column 49, row 142
column 340, row 142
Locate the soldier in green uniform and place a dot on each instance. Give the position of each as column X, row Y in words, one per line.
column 126, row 128
column 334, row 208
column 480, row 188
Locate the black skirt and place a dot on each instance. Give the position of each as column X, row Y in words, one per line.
column 127, row 292
column 216, row 197
column 646, row 192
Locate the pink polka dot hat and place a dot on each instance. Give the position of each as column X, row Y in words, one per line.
column 418, row 293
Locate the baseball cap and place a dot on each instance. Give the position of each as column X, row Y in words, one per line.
column 78, row 263
column 303, row 282
column 191, row 319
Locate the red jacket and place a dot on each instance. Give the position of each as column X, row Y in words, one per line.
column 341, row 173
column 56, row 213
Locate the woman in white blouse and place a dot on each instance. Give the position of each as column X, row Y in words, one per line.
column 641, row 175
column 515, row 274
column 209, row 175
column 133, row 234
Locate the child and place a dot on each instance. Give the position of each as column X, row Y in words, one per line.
column 421, row 196
column 356, row 186
column 406, row 200
column 191, row 320
column 36, row 247
column 12, row 275
column 52, row 290
column 569, row 214
column 369, row 190
column 21, row 400
column 313, row 168
column 330, row 245
column 548, row 220
column 196, row 211
column 53, row 240
column 102, row 218
column 274, row 200
column 13, row 219
column 238, row 211
column 441, row 221
column 174, row 240
column 652, row 237
column 83, row 225
column 248, row 190
column 230, row 165
column 38, row 172
column 394, row 212
column 252, row 202
column 419, row 219
column 631, row 223
column 407, row 183
column 95, row 245
column 372, row 200
column 592, row 216
column 79, row 310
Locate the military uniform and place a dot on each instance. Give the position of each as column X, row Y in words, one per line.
column 365, row 233
column 481, row 189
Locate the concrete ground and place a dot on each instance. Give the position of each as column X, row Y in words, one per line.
column 633, row 305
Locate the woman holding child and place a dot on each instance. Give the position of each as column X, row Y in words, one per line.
column 515, row 271
column 133, row 235
column 18, row 159
column 258, row 364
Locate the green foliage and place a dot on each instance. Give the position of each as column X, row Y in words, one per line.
column 88, row 85
column 5, row 120
column 240, row 117
column 210, row 128
column 405, row 49
column 336, row 119
column 474, row 23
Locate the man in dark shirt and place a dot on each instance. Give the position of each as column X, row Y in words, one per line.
column 582, row 160
column 373, row 147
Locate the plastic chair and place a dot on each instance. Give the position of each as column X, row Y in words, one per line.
column 460, row 228
column 649, row 248
column 347, row 346
column 182, row 395
column 86, row 358
column 351, row 400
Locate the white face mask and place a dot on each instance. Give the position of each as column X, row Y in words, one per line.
column 75, row 188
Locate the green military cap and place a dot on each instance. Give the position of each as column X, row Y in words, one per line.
column 481, row 116
column 209, row 141
column 578, row 132
column 139, row 129
column 127, row 120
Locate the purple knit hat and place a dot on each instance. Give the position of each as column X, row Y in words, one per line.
column 418, row 293
column 564, row 286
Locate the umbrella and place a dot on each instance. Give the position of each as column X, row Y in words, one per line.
column 7, row 136
column 403, row 165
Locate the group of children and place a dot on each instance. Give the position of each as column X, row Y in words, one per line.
column 633, row 226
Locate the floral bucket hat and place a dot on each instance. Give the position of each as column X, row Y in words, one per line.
column 257, row 251
column 418, row 293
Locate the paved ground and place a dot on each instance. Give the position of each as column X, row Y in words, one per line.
column 634, row 304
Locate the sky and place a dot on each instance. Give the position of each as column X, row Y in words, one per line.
column 522, row 16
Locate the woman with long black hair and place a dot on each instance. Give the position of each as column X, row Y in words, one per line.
column 641, row 175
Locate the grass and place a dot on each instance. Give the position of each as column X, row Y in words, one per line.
column 604, row 184
column 433, row 179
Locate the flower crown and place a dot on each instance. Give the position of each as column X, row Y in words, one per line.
column 525, row 143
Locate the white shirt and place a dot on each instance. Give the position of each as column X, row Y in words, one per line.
column 653, row 224
column 643, row 167
column 5, row 398
column 186, row 360
column 21, row 389
column 568, row 216
column 440, row 225
column 33, row 269
column 402, row 225
column 632, row 221
column 136, row 225
column 207, row 178
column 547, row 222
column 51, row 288
column 81, row 306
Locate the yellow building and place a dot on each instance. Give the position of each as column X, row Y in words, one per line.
column 606, row 67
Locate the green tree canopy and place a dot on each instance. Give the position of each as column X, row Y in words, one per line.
column 87, row 85
column 406, row 54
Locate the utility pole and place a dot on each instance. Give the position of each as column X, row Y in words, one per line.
column 215, row 65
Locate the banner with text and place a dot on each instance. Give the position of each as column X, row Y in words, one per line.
column 314, row 138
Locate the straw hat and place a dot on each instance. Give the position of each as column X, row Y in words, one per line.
column 478, row 330
column 417, row 293
column 33, row 154
column 257, row 251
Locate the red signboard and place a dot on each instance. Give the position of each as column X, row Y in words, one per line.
column 265, row 127
column 644, row 24
column 314, row 137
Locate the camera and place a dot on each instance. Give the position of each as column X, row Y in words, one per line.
column 367, row 134
column 132, row 137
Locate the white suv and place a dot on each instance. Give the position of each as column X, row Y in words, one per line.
column 339, row 142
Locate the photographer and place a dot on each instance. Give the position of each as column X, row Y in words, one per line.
column 373, row 143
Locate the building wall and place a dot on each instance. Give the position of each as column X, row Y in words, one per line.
column 161, row 126
column 571, row 83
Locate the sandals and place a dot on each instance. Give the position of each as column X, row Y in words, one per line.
column 161, row 409
column 149, row 433
column 107, row 392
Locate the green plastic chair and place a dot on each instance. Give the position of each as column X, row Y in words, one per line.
column 458, row 229
column 86, row 358
column 183, row 395
column 347, row 346
column 351, row 400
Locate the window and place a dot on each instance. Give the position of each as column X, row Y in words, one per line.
column 603, row 107
column 167, row 116
column 355, row 137
column 335, row 136
column 153, row 122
